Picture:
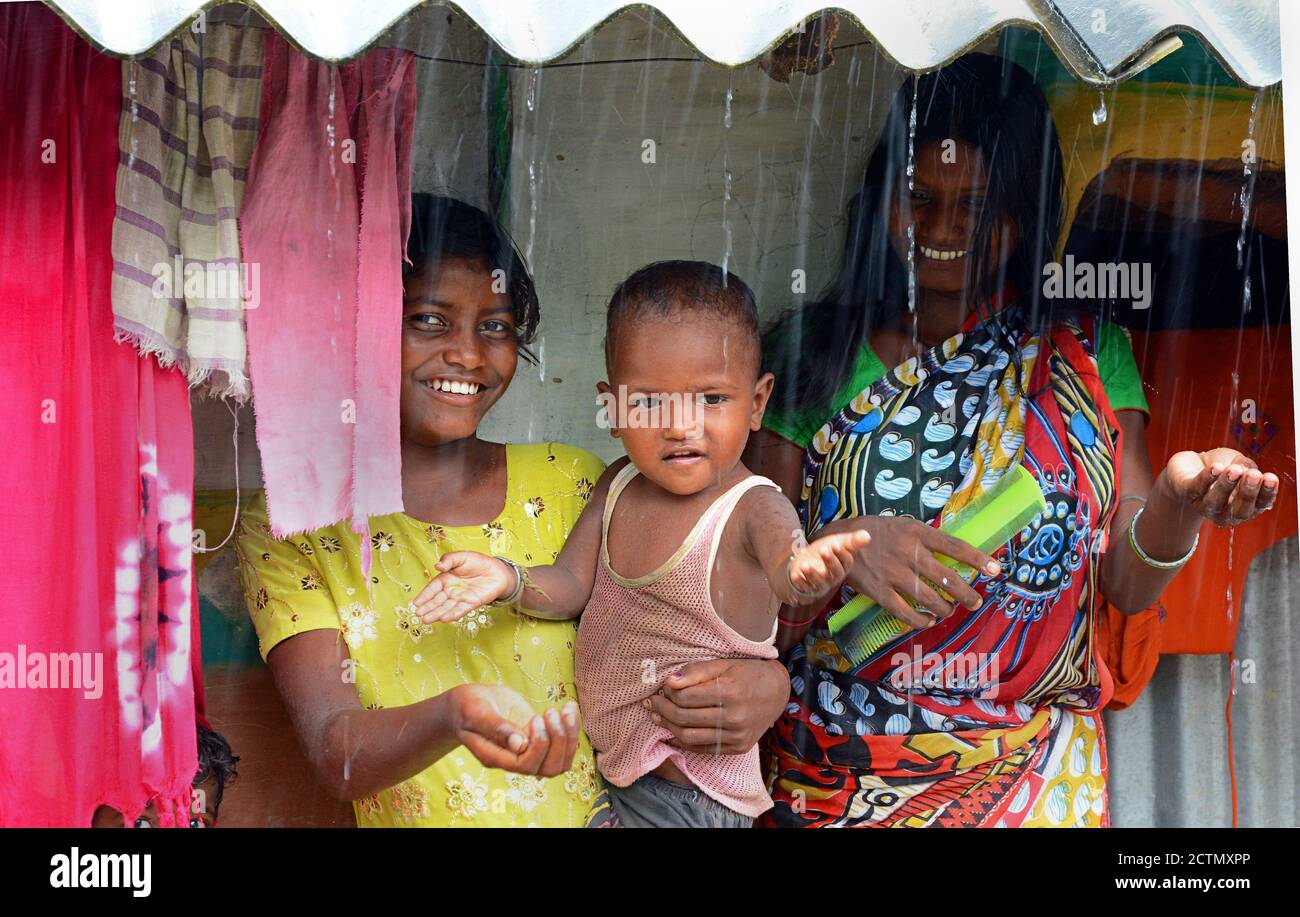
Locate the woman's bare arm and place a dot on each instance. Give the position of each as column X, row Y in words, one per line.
column 1126, row 582
column 356, row 752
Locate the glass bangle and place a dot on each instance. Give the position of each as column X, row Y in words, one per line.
column 519, row 585
column 1147, row 558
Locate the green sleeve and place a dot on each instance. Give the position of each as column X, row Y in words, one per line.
column 1118, row 369
column 1115, row 364
column 796, row 426
column 800, row 425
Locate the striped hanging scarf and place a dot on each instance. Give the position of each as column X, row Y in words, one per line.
column 186, row 133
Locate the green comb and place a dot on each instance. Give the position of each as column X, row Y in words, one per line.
column 861, row 627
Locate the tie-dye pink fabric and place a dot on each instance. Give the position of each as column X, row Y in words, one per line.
column 97, row 623
column 326, row 216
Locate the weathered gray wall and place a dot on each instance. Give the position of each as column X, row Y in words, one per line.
column 589, row 210
column 1169, row 751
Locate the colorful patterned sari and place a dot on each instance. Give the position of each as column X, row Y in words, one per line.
column 989, row 717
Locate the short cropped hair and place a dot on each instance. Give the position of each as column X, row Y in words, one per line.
column 666, row 289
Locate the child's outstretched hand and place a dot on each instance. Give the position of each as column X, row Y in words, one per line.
column 819, row 567
column 466, row 580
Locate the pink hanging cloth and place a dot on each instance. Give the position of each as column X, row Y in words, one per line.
column 326, row 216
column 96, row 625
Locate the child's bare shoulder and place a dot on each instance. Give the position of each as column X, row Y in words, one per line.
column 605, row 481
column 762, row 500
column 612, row 469
column 764, row 513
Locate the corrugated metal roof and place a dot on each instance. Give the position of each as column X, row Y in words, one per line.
column 1099, row 40
column 1243, row 34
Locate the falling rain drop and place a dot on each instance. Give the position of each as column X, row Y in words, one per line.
column 530, row 95
column 1247, row 194
column 911, row 272
column 541, row 359
column 135, row 116
column 911, row 185
column 726, row 222
column 1099, row 115
column 532, row 209
column 131, row 91
column 330, row 140
column 726, row 187
column 1232, row 531
column 911, row 137
column 329, row 125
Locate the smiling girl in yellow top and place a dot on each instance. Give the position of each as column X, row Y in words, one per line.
column 444, row 726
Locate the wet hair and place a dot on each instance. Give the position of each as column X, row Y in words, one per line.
column 216, row 763
column 443, row 227
column 667, row 289
column 986, row 101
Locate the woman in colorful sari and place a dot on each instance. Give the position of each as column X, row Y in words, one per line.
column 473, row 723
column 891, row 418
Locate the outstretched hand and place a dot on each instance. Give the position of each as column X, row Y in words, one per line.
column 467, row 580
column 502, row 730
column 819, row 567
column 1222, row 485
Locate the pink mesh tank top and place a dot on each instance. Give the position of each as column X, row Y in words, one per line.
column 634, row 633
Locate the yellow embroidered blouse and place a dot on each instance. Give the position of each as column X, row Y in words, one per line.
column 314, row 581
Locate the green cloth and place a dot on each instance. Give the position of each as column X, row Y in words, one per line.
column 1118, row 369
column 1115, row 365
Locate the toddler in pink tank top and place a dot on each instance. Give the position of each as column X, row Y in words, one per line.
column 681, row 556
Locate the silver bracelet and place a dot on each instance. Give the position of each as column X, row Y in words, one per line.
column 1147, row 558
column 798, row 593
column 519, row 584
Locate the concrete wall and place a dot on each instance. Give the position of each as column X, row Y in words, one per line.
column 589, row 210
column 1169, row 752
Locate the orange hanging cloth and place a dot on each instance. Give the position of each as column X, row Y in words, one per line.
column 1190, row 379
column 1188, row 375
